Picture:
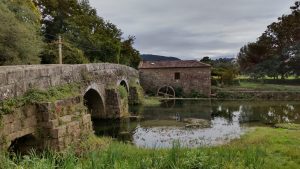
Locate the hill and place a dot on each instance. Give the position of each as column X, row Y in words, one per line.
column 149, row 57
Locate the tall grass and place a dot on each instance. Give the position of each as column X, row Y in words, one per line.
column 263, row 149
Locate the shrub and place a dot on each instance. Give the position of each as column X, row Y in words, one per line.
column 195, row 94
column 178, row 92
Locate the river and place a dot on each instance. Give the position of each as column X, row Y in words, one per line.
column 196, row 123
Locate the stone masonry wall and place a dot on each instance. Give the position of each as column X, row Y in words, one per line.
column 135, row 95
column 16, row 80
column 115, row 105
column 197, row 79
column 55, row 125
column 63, row 123
column 18, row 124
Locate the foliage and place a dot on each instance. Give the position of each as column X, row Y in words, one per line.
column 288, row 126
column 152, row 101
column 87, row 36
column 123, row 92
column 20, row 40
column 71, row 55
column 178, row 91
column 195, row 94
column 276, row 52
column 36, row 96
column 260, row 149
column 235, row 95
column 129, row 56
column 225, row 69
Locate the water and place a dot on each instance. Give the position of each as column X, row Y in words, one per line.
column 218, row 122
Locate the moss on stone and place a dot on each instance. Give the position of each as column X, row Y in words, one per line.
column 37, row 96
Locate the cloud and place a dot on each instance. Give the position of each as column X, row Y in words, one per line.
column 192, row 28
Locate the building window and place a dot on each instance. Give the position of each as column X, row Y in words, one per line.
column 177, row 76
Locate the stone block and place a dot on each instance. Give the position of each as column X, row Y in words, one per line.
column 15, row 76
column 3, row 79
column 21, row 133
column 40, row 83
column 50, row 124
column 16, row 126
column 45, row 107
column 29, row 110
column 32, row 73
column 74, row 128
column 55, row 80
column 58, row 132
column 29, row 122
column 66, row 119
column 7, row 119
column 86, row 118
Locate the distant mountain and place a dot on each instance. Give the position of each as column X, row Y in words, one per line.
column 148, row 57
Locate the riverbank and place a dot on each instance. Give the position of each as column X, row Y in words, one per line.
column 261, row 148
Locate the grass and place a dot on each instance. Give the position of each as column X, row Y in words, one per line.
column 262, row 148
column 123, row 92
column 151, row 101
column 288, row 126
column 263, row 87
column 248, row 77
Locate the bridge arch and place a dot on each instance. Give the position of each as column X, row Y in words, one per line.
column 95, row 104
column 23, row 145
column 124, row 83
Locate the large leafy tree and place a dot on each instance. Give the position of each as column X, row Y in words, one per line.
column 129, row 56
column 20, row 40
column 79, row 25
column 275, row 51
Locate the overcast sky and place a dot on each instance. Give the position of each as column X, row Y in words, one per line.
column 191, row 29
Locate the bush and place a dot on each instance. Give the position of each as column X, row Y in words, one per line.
column 178, row 92
column 195, row 94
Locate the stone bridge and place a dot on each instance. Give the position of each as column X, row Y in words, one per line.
column 57, row 124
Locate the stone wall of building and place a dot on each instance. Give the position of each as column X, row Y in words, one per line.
column 191, row 79
column 53, row 125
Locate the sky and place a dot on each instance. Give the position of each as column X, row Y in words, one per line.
column 192, row 29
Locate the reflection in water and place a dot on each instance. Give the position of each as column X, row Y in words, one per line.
column 162, row 125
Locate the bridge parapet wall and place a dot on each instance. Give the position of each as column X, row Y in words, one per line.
column 16, row 80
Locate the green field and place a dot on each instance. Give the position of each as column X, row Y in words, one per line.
column 262, row 148
column 244, row 86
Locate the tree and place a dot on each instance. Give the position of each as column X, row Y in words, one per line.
column 276, row 46
column 206, row 59
column 20, row 41
column 129, row 56
column 78, row 23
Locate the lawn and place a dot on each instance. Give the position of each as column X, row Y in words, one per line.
column 245, row 86
column 262, row 148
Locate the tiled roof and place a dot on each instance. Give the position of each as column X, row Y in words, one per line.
column 172, row 64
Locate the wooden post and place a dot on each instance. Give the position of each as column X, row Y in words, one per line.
column 60, row 49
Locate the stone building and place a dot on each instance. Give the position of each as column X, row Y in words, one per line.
column 189, row 77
